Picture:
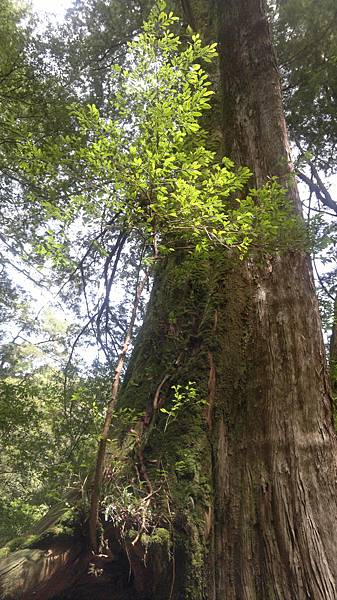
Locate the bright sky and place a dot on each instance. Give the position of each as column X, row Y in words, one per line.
column 51, row 7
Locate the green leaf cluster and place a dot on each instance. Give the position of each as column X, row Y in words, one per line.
column 145, row 164
column 183, row 398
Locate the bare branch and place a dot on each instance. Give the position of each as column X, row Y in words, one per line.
column 318, row 188
column 99, row 469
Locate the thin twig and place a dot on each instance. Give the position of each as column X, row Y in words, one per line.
column 321, row 282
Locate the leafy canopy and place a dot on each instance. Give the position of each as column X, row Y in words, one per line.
column 146, row 165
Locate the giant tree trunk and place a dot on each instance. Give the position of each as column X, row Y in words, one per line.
column 256, row 338
column 250, row 479
column 275, row 448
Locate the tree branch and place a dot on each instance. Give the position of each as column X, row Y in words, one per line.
column 318, row 188
column 99, row 469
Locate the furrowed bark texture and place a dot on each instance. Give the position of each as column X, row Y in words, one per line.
column 275, row 448
column 272, row 528
column 47, row 572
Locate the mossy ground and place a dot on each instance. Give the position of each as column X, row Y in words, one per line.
column 69, row 524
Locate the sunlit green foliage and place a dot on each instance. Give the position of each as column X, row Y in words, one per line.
column 183, row 398
column 48, row 439
column 148, row 164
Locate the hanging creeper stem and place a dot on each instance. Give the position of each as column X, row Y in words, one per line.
column 99, row 469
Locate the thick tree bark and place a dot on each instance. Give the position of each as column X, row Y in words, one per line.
column 274, row 452
column 273, row 525
column 277, row 514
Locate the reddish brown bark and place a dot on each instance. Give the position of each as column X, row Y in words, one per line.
column 42, row 574
column 275, row 449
